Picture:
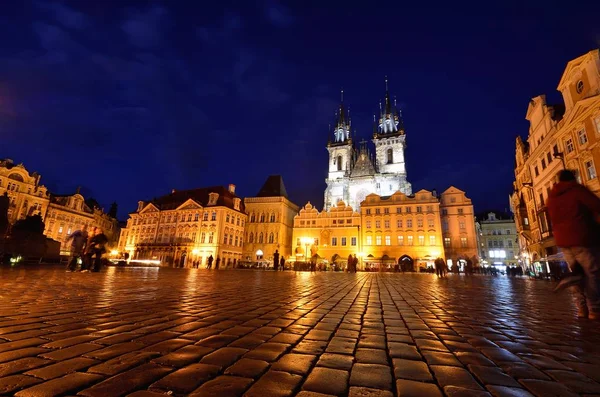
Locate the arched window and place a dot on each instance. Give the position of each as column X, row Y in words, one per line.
column 272, row 219
column 262, row 218
column 390, row 156
column 271, row 238
column 339, row 163
column 253, row 217
column 260, row 238
column 251, row 237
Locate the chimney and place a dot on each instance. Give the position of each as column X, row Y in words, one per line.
column 231, row 188
column 140, row 205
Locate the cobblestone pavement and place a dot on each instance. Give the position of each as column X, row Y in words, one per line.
column 148, row 332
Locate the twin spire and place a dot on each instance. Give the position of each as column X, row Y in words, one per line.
column 390, row 119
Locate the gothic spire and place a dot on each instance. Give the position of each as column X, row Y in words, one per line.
column 341, row 130
column 390, row 121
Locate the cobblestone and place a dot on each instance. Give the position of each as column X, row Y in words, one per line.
column 145, row 332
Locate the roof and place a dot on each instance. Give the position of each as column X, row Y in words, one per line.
column 176, row 198
column 273, row 187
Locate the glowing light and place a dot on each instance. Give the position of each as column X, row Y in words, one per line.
column 114, row 252
column 259, row 253
column 195, row 251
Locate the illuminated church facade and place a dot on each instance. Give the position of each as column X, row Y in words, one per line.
column 354, row 172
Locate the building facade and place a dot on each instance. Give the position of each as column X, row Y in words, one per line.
column 458, row 227
column 560, row 136
column 499, row 241
column 328, row 236
column 270, row 222
column 62, row 214
column 353, row 172
column 401, row 229
column 187, row 227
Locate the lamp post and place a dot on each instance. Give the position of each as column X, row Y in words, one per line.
column 561, row 156
column 306, row 242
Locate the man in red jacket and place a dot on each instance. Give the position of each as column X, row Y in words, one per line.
column 572, row 208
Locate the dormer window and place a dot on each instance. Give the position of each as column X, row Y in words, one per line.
column 212, row 198
column 236, row 203
column 579, row 87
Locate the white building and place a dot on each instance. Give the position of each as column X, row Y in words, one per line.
column 498, row 241
column 354, row 172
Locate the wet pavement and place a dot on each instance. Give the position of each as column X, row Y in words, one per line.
column 151, row 332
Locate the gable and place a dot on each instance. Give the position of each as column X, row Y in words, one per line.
column 149, row 208
column 579, row 108
column 189, row 204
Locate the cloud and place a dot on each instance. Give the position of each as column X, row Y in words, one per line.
column 143, row 28
column 278, row 14
column 66, row 16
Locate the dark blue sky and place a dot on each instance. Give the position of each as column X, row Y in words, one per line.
column 132, row 99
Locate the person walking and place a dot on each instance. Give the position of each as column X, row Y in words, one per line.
column 275, row 260
column 572, row 209
column 209, row 262
column 78, row 239
column 282, row 263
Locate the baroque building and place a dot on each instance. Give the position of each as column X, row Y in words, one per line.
column 62, row 214
column 564, row 135
column 187, row 226
column 458, row 227
column 270, row 221
column 498, row 240
column 353, row 172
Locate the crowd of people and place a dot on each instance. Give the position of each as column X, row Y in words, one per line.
column 87, row 249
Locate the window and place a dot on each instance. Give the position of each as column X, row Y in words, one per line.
column 399, row 223
column 377, row 224
column 386, row 210
column 431, row 240
column 460, row 211
column 461, row 225
column 569, row 145
column 236, row 241
column 579, row 87
column 420, row 222
column 421, row 240
column 463, row 242
column 408, row 210
column 430, row 208
column 69, row 231
column 409, row 240
column 377, row 240
column 543, row 163
column 252, row 218
column 387, row 223
column 272, row 219
column 549, row 157
column 353, row 241
column 260, row 238
column 597, row 123
column 409, row 223
column 368, row 224
column 377, row 211
column 390, row 156
column 339, row 163
column 227, row 218
column 430, row 222
column 582, row 136
column 590, row 169
column 453, row 199
column 225, row 239
column 348, row 220
column 271, row 238
column 343, row 241
column 446, row 242
column 334, row 241
column 213, row 216
column 211, row 237
column 368, row 211
column 378, row 185
column 369, row 240
column 399, row 210
column 262, row 217
column 196, row 217
column 536, row 170
column 400, row 240
column 419, row 209
column 60, row 229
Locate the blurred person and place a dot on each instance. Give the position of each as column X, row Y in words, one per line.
column 79, row 239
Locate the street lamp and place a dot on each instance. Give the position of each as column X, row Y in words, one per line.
column 561, row 156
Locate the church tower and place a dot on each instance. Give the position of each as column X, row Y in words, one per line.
column 341, row 152
column 390, row 141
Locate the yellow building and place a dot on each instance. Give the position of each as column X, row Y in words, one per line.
column 328, row 236
column 401, row 229
column 458, row 227
column 61, row 214
column 67, row 213
column 187, row 227
column 270, row 222
column 27, row 196
column 560, row 136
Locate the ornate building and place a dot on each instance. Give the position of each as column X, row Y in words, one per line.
column 498, row 240
column 458, row 227
column 331, row 235
column 353, row 172
column 560, row 136
column 270, row 221
column 188, row 226
column 62, row 214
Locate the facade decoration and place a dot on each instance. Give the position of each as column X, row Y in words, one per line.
column 354, row 172
column 560, row 136
column 186, row 227
column 270, row 222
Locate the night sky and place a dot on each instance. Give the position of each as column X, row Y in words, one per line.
column 132, row 99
